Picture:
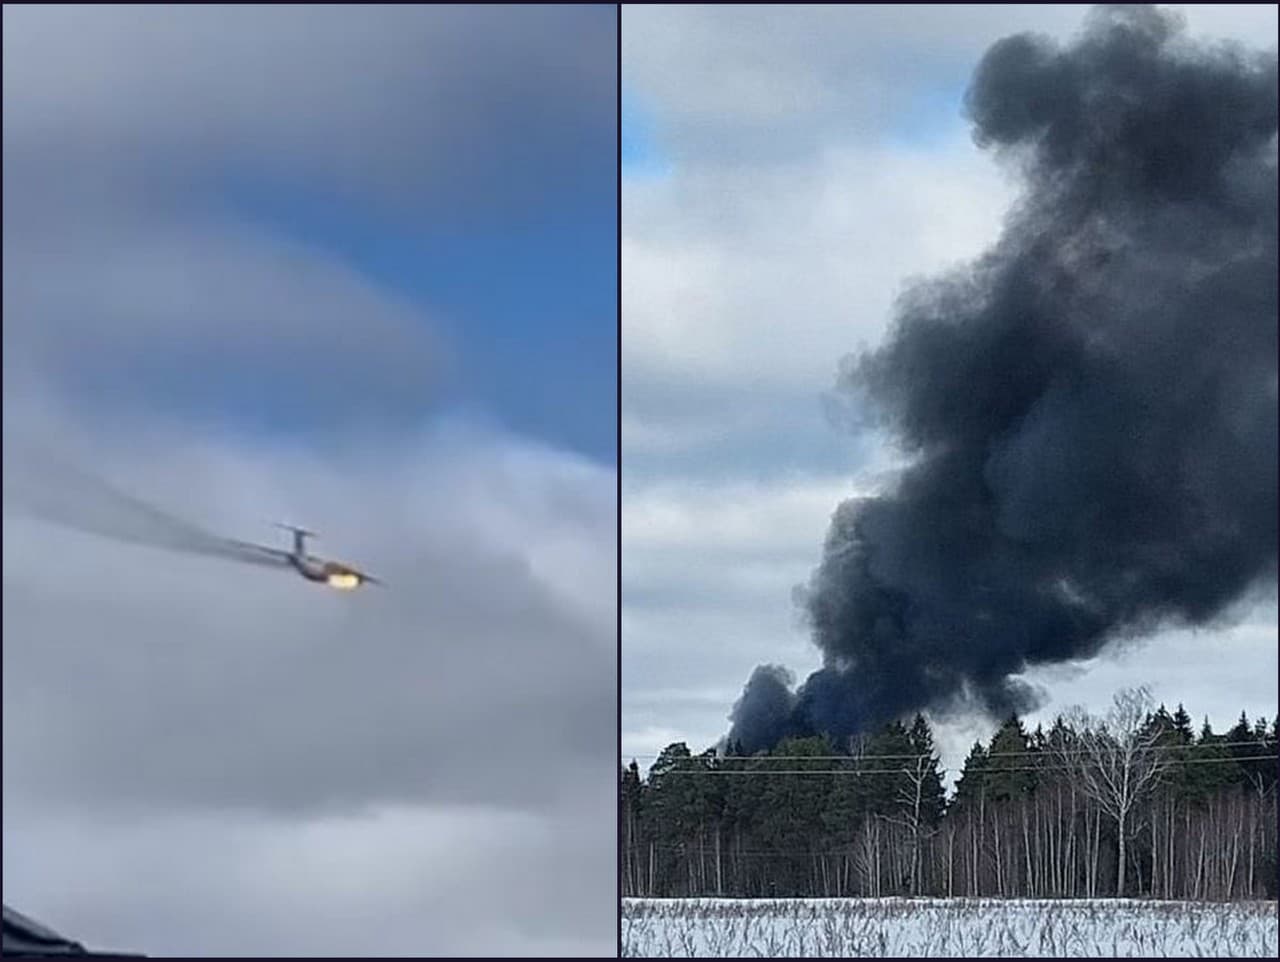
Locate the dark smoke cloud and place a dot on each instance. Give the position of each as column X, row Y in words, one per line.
column 766, row 709
column 1091, row 407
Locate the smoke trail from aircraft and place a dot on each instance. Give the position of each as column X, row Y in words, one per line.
column 46, row 486
column 1091, row 407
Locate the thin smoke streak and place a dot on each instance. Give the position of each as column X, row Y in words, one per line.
column 48, row 487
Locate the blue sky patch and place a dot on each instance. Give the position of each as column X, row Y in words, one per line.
column 526, row 304
column 641, row 153
column 929, row 117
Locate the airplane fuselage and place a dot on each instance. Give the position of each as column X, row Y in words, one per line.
column 310, row 568
column 331, row 573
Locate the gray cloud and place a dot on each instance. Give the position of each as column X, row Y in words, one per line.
column 150, row 694
column 127, row 299
column 397, row 882
column 305, row 705
column 403, row 103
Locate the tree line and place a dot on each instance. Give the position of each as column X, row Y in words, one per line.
column 1136, row 803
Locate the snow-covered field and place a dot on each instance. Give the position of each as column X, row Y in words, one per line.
column 685, row 928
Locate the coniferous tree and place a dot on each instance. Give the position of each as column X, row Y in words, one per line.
column 867, row 816
column 1182, row 725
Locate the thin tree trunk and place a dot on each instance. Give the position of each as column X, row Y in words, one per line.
column 651, row 868
column 1120, row 853
column 1097, row 845
column 1026, row 848
column 1235, row 857
column 950, row 863
column 1155, row 848
column 719, row 876
column 1088, row 851
column 1253, row 828
column 1200, row 864
column 995, row 832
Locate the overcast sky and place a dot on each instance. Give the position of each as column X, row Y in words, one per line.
column 351, row 268
column 785, row 171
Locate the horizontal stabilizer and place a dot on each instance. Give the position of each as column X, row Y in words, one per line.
column 296, row 530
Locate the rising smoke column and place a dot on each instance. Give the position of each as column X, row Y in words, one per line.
column 1091, row 408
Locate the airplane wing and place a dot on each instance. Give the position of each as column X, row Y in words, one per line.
column 369, row 578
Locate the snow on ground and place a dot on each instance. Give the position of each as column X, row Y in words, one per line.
column 817, row 928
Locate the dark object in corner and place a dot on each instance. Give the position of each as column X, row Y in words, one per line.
column 25, row 938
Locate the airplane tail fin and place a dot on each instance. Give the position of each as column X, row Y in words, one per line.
column 299, row 537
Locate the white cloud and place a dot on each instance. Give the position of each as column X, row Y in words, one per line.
column 762, row 278
column 1217, row 671
column 707, row 575
column 740, row 515
column 744, row 85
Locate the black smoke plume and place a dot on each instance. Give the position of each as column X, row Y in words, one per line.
column 1090, row 408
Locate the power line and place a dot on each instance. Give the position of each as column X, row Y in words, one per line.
column 1036, row 753
column 734, row 853
column 981, row 770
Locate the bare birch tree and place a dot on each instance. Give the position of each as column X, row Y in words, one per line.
column 1115, row 762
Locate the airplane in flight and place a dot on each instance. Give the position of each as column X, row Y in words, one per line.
column 335, row 574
